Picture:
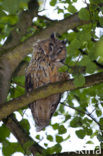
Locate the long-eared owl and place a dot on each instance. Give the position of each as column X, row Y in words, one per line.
column 48, row 56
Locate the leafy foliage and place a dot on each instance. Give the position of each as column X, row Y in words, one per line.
column 82, row 109
column 10, row 148
column 25, row 124
column 84, row 14
column 5, row 133
column 7, row 5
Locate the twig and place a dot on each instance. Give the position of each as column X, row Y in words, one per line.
column 83, row 112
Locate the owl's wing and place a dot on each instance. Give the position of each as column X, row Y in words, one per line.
column 56, row 99
column 43, row 110
column 28, row 83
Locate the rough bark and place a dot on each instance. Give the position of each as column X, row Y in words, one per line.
column 22, row 136
column 43, row 92
column 25, row 21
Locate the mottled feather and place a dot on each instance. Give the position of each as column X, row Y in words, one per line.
column 48, row 56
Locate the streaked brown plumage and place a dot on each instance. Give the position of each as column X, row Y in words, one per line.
column 48, row 56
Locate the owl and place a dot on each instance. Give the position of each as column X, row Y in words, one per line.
column 47, row 57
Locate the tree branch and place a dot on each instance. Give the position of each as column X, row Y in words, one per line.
column 25, row 21
column 13, row 57
column 22, row 136
column 55, row 26
column 45, row 91
column 20, row 70
column 83, row 112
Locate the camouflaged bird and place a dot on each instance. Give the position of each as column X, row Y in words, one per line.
column 48, row 56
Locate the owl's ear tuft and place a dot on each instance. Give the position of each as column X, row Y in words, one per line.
column 53, row 36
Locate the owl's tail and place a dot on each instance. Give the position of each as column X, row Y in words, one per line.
column 42, row 110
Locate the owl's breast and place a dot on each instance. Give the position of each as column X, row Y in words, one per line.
column 43, row 71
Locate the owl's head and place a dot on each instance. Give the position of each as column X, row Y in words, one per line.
column 54, row 48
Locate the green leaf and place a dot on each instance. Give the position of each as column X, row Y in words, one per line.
column 10, row 148
column 49, row 137
column 84, row 61
column 90, row 67
column 20, row 80
column 81, row 34
column 67, row 116
column 12, row 6
column 88, row 131
column 38, row 154
column 75, row 44
column 92, row 52
column 94, row 134
column 101, row 122
column 64, row 68
column 101, row 21
column 5, row 133
column 24, row 4
column 38, row 137
column 72, row 9
column 80, row 133
column 98, row 112
column 100, row 137
column 54, row 149
column 9, row 19
column 53, row 2
column 79, row 80
column 27, row 59
column 71, row 36
column 84, row 14
column 76, row 122
column 96, row 1
column 62, row 129
column 55, row 126
column 27, row 146
column 61, row 109
column 60, row 10
column 99, row 47
column 45, row 144
column 2, row 13
column 18, row 91
column 59, row 139
column 74, row 0
column 57, row 148
column 68, row 137
column 86, row 120
column 25, row 124
column 89, row 142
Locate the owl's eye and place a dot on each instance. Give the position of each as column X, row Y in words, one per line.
column 60, row 50
column 50, row 46
column 62, row 60
column 41, row 50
